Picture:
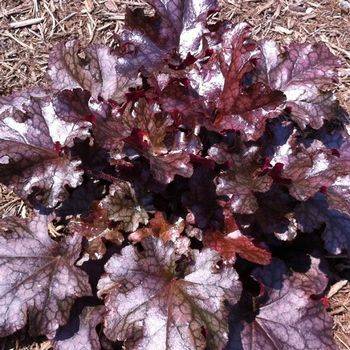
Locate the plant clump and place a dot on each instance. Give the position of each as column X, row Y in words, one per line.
column 200, row 177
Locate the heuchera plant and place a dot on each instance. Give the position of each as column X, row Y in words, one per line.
column 199, row 175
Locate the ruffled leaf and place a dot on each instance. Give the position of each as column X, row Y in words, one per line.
column 160, row 227
column 221, row 83
column 33, row 157
column 289, row 318
column 39, row 280
column 177, row 26
column 122, row 206
column 311, row 169
column 228, row 246
column 149, row 129
column 150, row 308
column 315, row 213
column 92, row 68
column 231, row 242
column 240, row 183
column 300, row 71
column 96, row 228
column 86, row 338
column 338, row 195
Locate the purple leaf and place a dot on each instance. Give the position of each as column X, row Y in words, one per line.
column 315, row 213
column 150, row 308
column 149, row 129
column 220, row 82
column 39, row 280
column 178, row 25
column 240, row 183
column 93, row 69
column 33, row 157
column 299, row 71
column 276, row 213
column 166, row 166
column 338, row 195
column 289, row 319
column 311, row 169
column 19, row 99
column 86, row 338
column 200, row 199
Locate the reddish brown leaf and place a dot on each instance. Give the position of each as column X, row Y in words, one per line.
column 160, row 227
column 96, row 228
column 228, row 246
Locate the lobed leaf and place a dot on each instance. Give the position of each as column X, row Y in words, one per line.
column 86, row 338
column 314, row 213
column 149, row 307
column 300, row 71
column 92, row 68
column 177, row 26
column 33, row 156
column 39, row 280
column 289, row 318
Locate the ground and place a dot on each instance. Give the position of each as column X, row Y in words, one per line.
column 29, row 29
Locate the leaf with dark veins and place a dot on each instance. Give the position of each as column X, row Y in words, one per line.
column 181, row 101
column 311, row 169
column 160, row 227
column 166, row 166
column 165, row 162
column 234, row 243
column 220, row 82
column 123, row 207
column 240, row 183
column 249, row 110
column 338, row 195
column 152, row 123
column 95, row 227
column 152, row 309
column 39, row 280
column 177, row 26
column 92, row 68
column 31, row 158
column 19, row 99
column 86, row 338
column 315, row 213
column 289, row 319
column 148, row 128
column 300, row 71
column 72, row 105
